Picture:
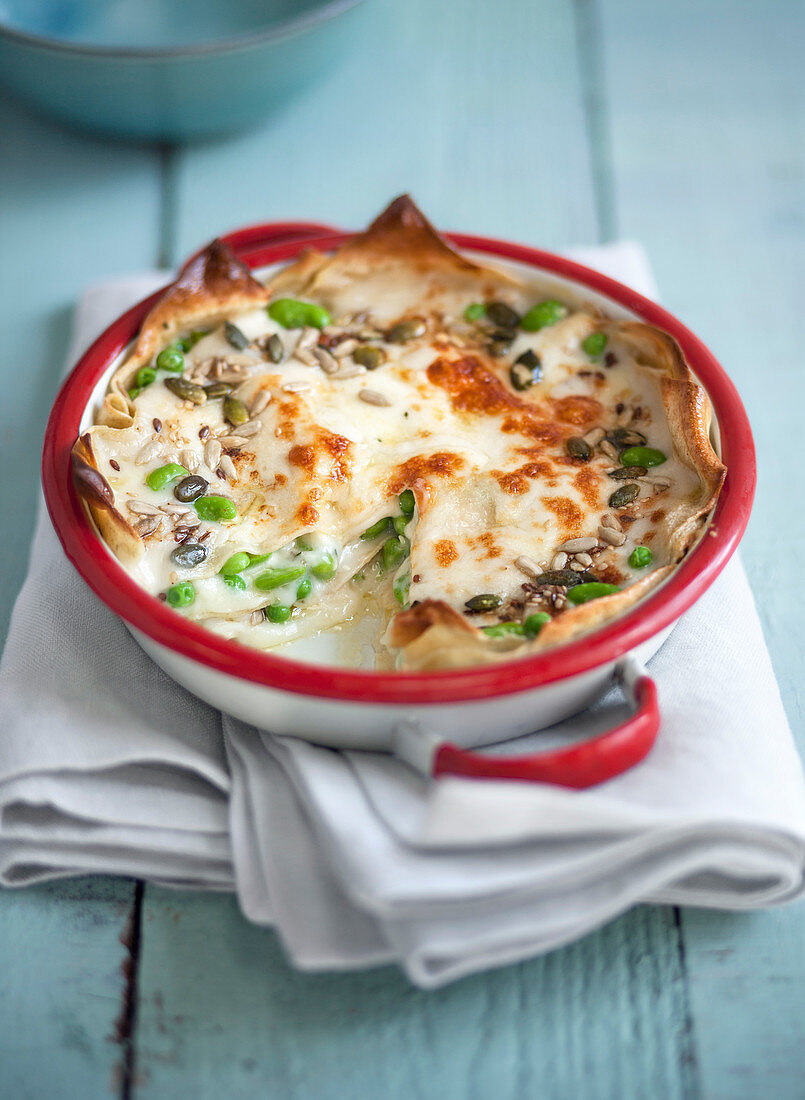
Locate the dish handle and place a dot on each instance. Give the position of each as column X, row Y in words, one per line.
column 580, row 765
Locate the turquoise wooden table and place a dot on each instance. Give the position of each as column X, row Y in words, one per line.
column 680, row 123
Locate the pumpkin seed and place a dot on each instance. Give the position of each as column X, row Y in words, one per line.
column 626, row 437
column 526, row 370
column 189, row 554
column 579, row 448
column 217, row 389
column 500, row 344
column 235, row 411
column 369, row 357
column 190, row 488
column 624, row 473
column 275, row 348
column 623, row 496
column 502, row 316
column 404, row 331
column 235, row 337
column 487, row 601
column 187, row 391
column 564, row 577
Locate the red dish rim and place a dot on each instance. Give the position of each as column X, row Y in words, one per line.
column 259, row 246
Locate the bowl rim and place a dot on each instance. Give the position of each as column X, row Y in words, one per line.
column 257, row 246
column 330, row 9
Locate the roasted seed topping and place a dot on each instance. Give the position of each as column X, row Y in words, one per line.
column 573, row 546
column 372, row 397
column 528, row 566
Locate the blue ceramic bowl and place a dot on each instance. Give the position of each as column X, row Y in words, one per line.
column 168, row 69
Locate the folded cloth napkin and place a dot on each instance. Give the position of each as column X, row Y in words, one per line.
column 109, row 766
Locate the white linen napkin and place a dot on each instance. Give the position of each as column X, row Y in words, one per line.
column 108, row 766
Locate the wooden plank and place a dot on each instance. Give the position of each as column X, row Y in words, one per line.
column 707, row 110
column 72, row 211
column 65, row 965
column 468, row 106
column 220, row 1008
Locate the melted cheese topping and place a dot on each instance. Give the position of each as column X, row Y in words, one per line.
column 488, row 466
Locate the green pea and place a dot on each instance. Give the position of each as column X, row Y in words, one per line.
column 164, row 475
column 475, row 311
column 642, row 456
column 395, row 551
column 234, row 580
column 304, row 589
column 171, row 359
column 181, row 594
column 184, row 344
column 291, row 313
column 325, row 569
column 535, row 623
column 276, row 578
column 594, row 344
column 543, row 314
column 591, row 591
column 235, row 564
column 399, row 523
column 303, row 542
column 504, row 630
column 145, row 376
column 402, row 588
column 278, row 613
column 640, row 557
column 382, row 527
column 256, row 559
column 215, row 509
column 407, row 502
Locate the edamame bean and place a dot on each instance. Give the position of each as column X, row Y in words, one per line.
column 640, row 557
column 399, row 523
column 215, row 509
column 504, row 630
column 643, row 456
column 304, row 589
column 171, row 359
column 291, row 313
column 325, row 569
column 593, row 591
column 276, row 578
column 235, row 564
column 402, row 588
column 235, row 581
column 181, row 594
column 395, row 551
column 407, row 502
column 543, row 314
column 382, row 527
column 164, row 475
column 594, row 344
column 534, row 623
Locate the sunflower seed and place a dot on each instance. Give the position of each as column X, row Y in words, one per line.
column 259, row 402
column 232, row 442
column 251, row 427
column 148, row 525
column 232, row 377
column 610, row 536
column 140, row 508
column 256, row 617
column 573, row 546
column 150, row 451
column 306, row 357
column 227, row 467
column 345, row 348
column 348, row 370
column 610, row 520
column 577, row 567
column 204, row 367
column 559, row 561
column 659, row 485
column 327, row 362
column 372, row 397
column 609, row 450
column 212, row 453
column 528, row 566
column 189, row 459
column 176, row 510
column 296, row 387
column 625, row 418
column 594, row 437
column 308, row 339
column 585, row 559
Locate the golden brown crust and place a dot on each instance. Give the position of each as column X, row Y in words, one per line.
column 97, row 494
column 211, row 286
